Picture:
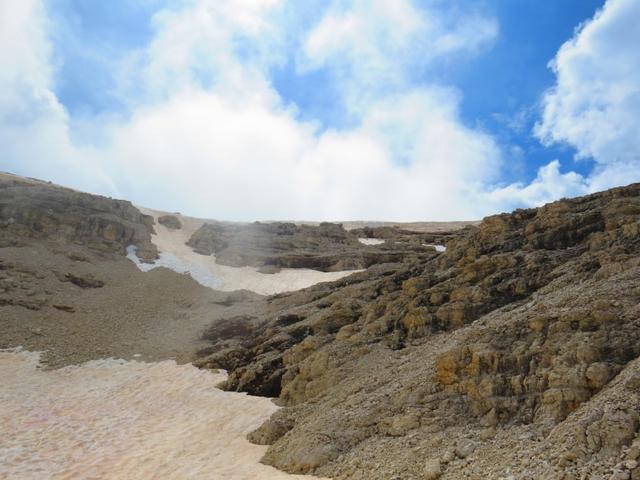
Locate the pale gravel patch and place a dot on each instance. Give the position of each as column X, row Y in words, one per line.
column 121, row 419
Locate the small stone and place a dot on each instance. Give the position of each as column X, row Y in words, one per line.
column 432, row 469
column 631, row 464
column 487, row 434
column 436, row 441
column 490, row 419
column 170, row 221
column 633, row 453
column 448, row 456
column 598, row 374
column 465, row 448
column 566, row 458
column 619, row 475
column 399, row 425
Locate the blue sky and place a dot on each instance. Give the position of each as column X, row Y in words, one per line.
column 506, row 79
column 337, row 109
column 514, row 73
column 86, row 36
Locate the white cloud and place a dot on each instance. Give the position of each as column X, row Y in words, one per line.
column 24, row 52
column 595, row 104
column 34, row 131
column 377, row 34
column 207, row 44
column 549, row 185
column 373, row 46
column 364, row 33
column 208, row 134
column 210, row 155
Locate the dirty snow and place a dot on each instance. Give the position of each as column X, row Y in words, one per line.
column 121, row 419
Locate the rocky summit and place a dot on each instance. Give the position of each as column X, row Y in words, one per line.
column 511, row 353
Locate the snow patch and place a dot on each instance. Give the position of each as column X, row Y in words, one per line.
column 439, row 248
column 176, row 255
column 198, row 272
column 126, row 419
column 371, row 241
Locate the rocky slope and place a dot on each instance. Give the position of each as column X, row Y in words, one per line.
column 36, row 210
column 514, row 354
column 67, row 289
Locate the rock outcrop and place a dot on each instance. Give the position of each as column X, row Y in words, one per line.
column 68, row 290
column 525, row 332
column 31, row 209
column 170, row 221
column 326, row 247
column 513, row 354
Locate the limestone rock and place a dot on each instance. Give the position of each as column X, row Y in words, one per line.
column 170, row 221
column 33, row 210
column 527, row 324
column 399, row 425
column 432, row 470
column 465, row 448
column 326, row 247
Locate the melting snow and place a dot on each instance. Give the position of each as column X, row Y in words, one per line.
column 198, row 272
column 177, row 256
column 439, row 248
column 371, row 241
column 121, row 419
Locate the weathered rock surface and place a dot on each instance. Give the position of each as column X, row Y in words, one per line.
column 31, row 209
column 517, row 345
column 67, row 289
column 514, row 354
column 170, row 221
column 326, row 247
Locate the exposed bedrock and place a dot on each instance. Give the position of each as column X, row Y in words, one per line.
column 326, row 247
column 35, row 210
column 528, row 326
column 170, row 221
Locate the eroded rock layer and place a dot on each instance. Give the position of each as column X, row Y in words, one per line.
column 327, row 247
column 36, row 210
column 512, row 353
column 67, row 289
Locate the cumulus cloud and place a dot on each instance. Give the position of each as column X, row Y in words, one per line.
column 249, row 160
column 375, row 46
column 595, row 104
column 549, row 185
column 375, row 35
column 34, row 126
column 207, row 44
column 593, row 107
column 24, row 52
column 207, row 133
